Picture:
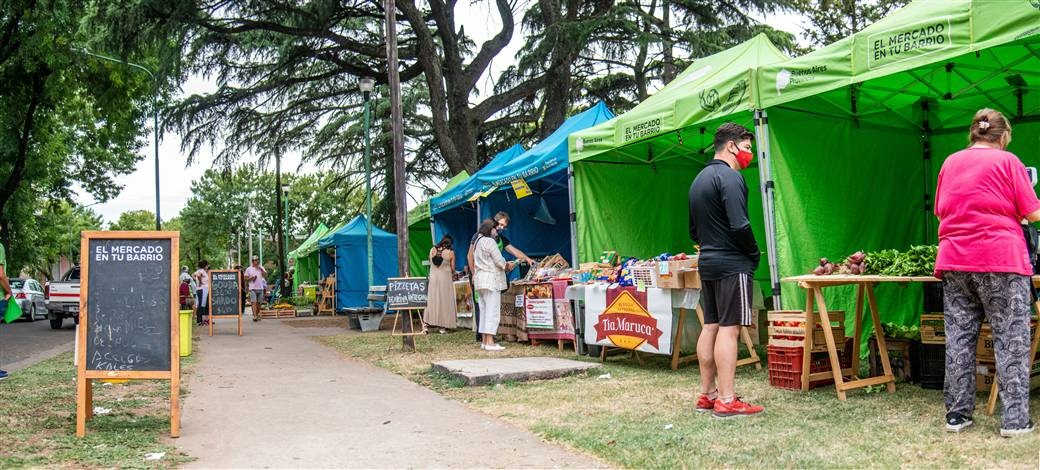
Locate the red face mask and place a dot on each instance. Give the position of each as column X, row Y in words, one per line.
column 744, row 158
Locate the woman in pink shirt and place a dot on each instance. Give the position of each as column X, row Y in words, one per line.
column 982, row 196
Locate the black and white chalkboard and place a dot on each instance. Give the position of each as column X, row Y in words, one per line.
column 225, row 293
column 128, row 304
column 406, row 293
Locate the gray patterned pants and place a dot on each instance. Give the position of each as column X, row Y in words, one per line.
column 1004, row 300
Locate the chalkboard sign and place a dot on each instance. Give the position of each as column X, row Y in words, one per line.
column 128, row 323
column 406, row 293
column 128, row 304
column 225, row 296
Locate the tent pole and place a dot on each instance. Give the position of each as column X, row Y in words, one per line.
column 765, row 177
column 573, row 216
column 926, row 161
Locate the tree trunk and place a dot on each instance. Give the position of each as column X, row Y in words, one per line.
column 14, row 180
column 668, row 70
column 278, row 230
column 400, row 185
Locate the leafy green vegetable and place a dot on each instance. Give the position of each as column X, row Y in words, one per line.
column 917, row 261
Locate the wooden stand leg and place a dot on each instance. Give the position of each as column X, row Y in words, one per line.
column 559, row 344
column 746, row 336
column 209, row 318
column 175, row 405
column 678, row 336
column 879, row 333
column 83, row 404
column 991, row 405
column 393, row 330
column 828, row 336
column 807, row 344
column 239, row 324
column 858, row 321
column 602, row 354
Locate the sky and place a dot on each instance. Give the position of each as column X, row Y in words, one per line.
column 175, row 177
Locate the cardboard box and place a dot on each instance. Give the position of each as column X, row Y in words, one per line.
column 669, row 274
column 933, row 328
column 691, row 278
column 985, row 373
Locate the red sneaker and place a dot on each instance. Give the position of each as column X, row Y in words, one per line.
column 705, row 404
column 735, row 408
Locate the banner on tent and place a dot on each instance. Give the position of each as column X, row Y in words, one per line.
column 914, row 40
column 626, row 318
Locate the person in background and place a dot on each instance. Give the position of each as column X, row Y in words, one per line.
column 728, row 258
column 489, row 279
column 256, row 275
column 501, row 221
column 440, row 302
column 982, row 196
column 5, row 286
column 187, row 295
column 202, row 292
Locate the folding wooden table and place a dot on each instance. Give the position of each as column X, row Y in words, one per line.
column 814, row 286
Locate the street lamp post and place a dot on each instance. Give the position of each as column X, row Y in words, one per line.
column 285, row 232
column 155, row 122
column 366, row 85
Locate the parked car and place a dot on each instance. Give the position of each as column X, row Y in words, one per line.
column 30, row 298
column 63, row 298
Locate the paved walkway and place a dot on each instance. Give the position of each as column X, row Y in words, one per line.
column 274, row 398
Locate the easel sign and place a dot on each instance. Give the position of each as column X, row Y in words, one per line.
column 129, row 326
column 407, row 294
column 225, row 296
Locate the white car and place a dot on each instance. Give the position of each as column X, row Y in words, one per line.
column 30, row 298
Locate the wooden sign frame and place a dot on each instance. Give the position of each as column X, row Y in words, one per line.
column 238, row 299
column 85, row 377
column 390, row 308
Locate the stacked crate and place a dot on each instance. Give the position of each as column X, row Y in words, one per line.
column 786, row 344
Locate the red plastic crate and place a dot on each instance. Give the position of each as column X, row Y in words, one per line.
column 785, row 366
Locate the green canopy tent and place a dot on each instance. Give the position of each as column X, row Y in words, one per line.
column 858, row 130
column 305, row 268
column 420, row 232
column 632, row 173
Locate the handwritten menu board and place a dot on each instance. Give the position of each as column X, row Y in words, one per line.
column 128, row 304
column 406, row 293
column 225, row 294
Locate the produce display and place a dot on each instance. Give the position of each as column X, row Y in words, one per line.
column 627, row 273
column 547, row 269
column 917, row 261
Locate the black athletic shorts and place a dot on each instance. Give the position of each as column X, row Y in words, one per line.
column 727, row 301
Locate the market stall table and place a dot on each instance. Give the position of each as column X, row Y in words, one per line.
column 814, row 285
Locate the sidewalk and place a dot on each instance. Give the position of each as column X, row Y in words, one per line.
column 274, row 398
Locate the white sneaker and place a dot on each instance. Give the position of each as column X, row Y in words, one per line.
column 1017, row 432
column 491, row 347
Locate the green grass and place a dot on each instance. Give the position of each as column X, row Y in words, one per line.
column 623, row 420
column 38, row 421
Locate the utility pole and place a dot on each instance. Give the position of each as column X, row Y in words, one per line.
column 278, row 223
column 396, row 125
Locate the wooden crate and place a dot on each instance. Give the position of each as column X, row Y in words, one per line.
column 984, row 348
column 691, row 278
column 933, row 328
column 899, row 351
column 278, row 313
column 787, row 328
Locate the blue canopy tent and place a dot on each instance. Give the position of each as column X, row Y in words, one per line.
column 350, row 260
column 454, row 211
column 539, row 224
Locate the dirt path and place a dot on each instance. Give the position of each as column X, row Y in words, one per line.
column 274, row 398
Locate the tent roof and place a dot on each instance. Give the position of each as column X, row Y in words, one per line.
column 311, row 243
column 545, row 158
column 421, row 213
column 711, row 87
column 461, row 192
column 358, row 227
column 921, row 33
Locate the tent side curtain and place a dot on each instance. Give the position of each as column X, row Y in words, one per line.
column 711, row 88
column 344, row 252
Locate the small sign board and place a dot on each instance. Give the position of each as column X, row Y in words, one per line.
column 129, row 326
column 406, row 293
column 538, row 306
column 225, row 296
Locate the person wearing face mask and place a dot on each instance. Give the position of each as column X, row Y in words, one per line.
column 501, row 222
column 728, row 256
column 489, row 279
column 982, row 195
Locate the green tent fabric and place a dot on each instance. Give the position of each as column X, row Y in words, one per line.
column 634, row 172
column 851, row 137
column 305, row 268
column 420, row 236
column 859, row 130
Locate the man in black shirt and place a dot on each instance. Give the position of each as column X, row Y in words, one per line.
column 728, row 257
